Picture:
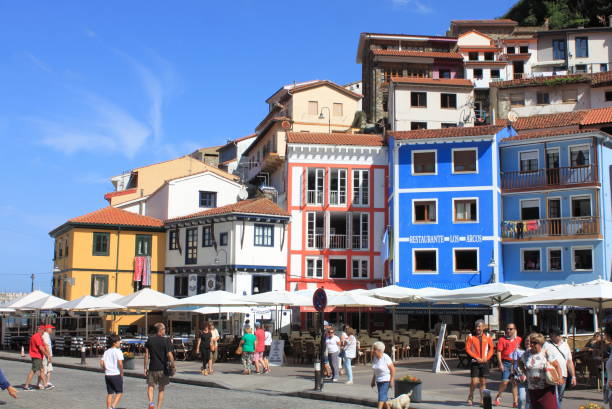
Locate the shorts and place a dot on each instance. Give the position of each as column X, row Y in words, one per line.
column 479, row 370
column 114, row 384
column 257, row 356
column 157, row 378
column 266, row 353
column 507, row 370
column 47, row 366
column 37, row 364
column 383, row 391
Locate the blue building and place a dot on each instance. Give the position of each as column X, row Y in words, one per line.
column 556, row 205
column 445, row 206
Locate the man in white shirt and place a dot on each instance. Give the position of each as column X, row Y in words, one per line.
column 558, row 346
column 48, row 366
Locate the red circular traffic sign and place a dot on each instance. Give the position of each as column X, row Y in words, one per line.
column 319, row 300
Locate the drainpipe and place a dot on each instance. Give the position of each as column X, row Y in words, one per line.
column 117, row 262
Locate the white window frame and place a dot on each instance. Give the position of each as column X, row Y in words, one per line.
column 523, row 259
column 361, row 235
column 571, row 203
column 414, row 250
column 537, row 158
column 316, row 186
column 455, row 221
column 548, row 250
column 329, row 193
column 352, row 190
column 455, row 271
column 583, row 248
column 435, row 172
column 453, row 161
column 315, row 260
column 520, row 217
column 360, row 260
column 580, row 145
column 424, row 200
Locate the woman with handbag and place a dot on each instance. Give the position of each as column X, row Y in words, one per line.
column 542, row 373
column 203, row 347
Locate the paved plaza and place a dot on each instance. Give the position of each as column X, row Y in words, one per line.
column 280, row 389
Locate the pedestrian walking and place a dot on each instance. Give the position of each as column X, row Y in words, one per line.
column 564, row 356
column 203, row 348
column 608, row 386
column 48, row 366
column 112, row 364
column 518, row 376
column 267, row 348
column 479, row 346
column 349, row 346
column 158, row 365
column 542, row 372
column 5, row 385
column 248, row 344
column 332, row 343
column 505, row 347
column 214, row 346
column 384, row 374
column 260, row 335
column 37, row 351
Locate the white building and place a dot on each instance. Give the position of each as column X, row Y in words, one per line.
column 241, row 248
column 230, row 154
column 430, row 103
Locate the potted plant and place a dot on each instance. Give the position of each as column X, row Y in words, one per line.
column 409, row 384
column 128, row 360
column 591, row 406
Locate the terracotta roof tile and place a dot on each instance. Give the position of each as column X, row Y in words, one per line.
column 535, row 81
column 457, row 82
column 109, row 195
column 597, row 116
column 324, row 82
column 117, row 217
column 262, row 205
column 549, row 120
column 500, row 21
column 316, row 138
column 425, row 54
column 457, row 132
column 601, row 78
column 543, row 133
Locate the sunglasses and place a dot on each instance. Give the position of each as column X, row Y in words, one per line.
column 510, row 329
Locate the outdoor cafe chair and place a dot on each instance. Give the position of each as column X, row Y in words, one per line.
column 180, row 349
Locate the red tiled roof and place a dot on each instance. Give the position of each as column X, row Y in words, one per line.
column 109, row 195
column 601, row 78
column 550, row 80
column 324, row 82
column 549, row 120
column 457, row 82
column 597, row 116
column 424, row 54
column 516, row 56
column 485, row 62
column 499, row 21
column 261, row 205
column 320, row 138
column 457, row 132
column 543, row 133
column 116, row 217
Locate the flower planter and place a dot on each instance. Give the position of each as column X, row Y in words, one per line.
column 405, row 387
column 128, row 363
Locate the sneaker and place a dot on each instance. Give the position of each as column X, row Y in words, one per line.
column 152, row 405
column 348, row 382
column 28, row 388
column 334, row 380
column 49, row 386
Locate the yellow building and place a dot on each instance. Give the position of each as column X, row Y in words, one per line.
column 98, row 253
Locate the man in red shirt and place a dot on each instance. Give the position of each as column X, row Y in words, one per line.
column 505, row 347
column 38, row 350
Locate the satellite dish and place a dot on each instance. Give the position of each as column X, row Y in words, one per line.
column 243, row 194
column 286, row 125
column 512, row 116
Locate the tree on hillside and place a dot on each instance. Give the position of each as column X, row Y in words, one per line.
column 561, row 13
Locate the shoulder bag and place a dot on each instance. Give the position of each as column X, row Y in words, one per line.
column 239, row 350
column 552, row 376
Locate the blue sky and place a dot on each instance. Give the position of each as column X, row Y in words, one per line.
column 90, row 89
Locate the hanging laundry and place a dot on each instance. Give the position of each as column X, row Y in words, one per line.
column 146, row 272
column 139, row 264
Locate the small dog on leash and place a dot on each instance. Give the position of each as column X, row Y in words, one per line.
column 401, row 402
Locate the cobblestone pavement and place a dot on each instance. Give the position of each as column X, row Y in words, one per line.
column 83, row 389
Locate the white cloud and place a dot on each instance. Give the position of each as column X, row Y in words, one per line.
column 38, row 62
column 90, row 33
column 415, row 5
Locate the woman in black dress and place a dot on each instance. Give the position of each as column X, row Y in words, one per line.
column 203, row 346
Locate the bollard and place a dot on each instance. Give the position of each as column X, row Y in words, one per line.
column 22, row 352
column 83, row 351
column 486, row 399
column 318, row 375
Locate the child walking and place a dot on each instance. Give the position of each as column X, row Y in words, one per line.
column 112, row 363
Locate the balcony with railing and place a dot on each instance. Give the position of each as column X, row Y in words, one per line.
column 360, row 242
column 314, row 197
column 549, row 178
column 337, row 241
column 582, row 227
column 316, row 241
column 337, row 198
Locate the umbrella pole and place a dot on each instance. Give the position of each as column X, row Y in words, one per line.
column 219, row 320
column 86, row 325
column 359, row 330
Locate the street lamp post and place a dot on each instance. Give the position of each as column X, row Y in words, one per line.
column 321, row 116
column 225, row 271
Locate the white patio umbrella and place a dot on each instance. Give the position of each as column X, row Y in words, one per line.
column 25, row 299
column 112, row 297
column 49, row 302
column 148, row 300
column 88, row 303
column 7, row 310
column 222, row 310
column 486, row 294
column 217, row 299
column 277, row 299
